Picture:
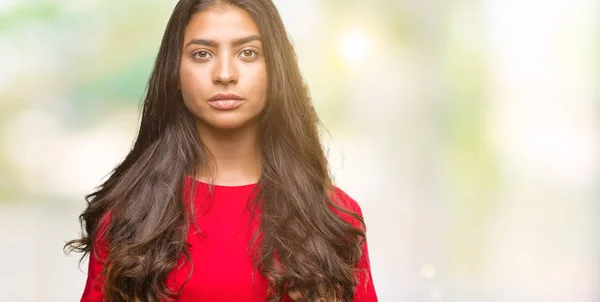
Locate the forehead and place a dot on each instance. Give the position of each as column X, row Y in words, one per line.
column 221, row 23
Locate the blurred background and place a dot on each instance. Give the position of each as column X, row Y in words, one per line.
column 468, row 131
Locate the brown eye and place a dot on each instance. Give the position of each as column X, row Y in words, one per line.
column 249, row 53
column 201, row 54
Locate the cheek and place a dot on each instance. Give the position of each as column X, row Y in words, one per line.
column 191, row 80
column 261, row 83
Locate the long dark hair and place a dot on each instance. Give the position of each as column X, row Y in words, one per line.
column 302, row 247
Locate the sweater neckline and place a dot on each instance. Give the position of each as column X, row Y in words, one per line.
column 189, row 178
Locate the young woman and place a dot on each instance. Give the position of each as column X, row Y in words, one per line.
column 226, row 194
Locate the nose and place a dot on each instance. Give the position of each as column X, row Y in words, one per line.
column 225, row 72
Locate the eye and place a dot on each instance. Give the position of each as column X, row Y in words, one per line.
column 249, row 53
column 201, row 54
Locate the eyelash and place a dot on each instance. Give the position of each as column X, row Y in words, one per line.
column 253, row 49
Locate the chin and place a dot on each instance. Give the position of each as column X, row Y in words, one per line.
column 227, row 123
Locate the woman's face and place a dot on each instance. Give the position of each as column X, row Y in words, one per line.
column 223, row 74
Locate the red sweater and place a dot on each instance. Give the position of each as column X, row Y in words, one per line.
column 222, row 263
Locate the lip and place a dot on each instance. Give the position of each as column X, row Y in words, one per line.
column 225, row 96
column 226, row 104
column 226, row 101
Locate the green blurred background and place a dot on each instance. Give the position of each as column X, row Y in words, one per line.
column 467, row 130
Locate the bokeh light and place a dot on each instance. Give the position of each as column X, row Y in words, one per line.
column 354, row 46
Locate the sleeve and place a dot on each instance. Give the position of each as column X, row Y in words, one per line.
column 365, row 290
column 93, row 291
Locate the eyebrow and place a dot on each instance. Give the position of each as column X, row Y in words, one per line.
column 213, row 43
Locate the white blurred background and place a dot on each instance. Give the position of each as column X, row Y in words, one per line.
column 468, row 131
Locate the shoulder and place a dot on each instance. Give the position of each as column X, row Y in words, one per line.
column 344, row 200
column 351, row 212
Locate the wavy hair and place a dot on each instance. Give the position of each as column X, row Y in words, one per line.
column 303, row 247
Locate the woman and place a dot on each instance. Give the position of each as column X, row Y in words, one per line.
column 226, row 194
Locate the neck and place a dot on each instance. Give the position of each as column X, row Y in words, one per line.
column 235, row 156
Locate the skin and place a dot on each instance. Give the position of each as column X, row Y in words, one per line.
column 226, row 67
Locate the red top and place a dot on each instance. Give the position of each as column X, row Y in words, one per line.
column 222, row 263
